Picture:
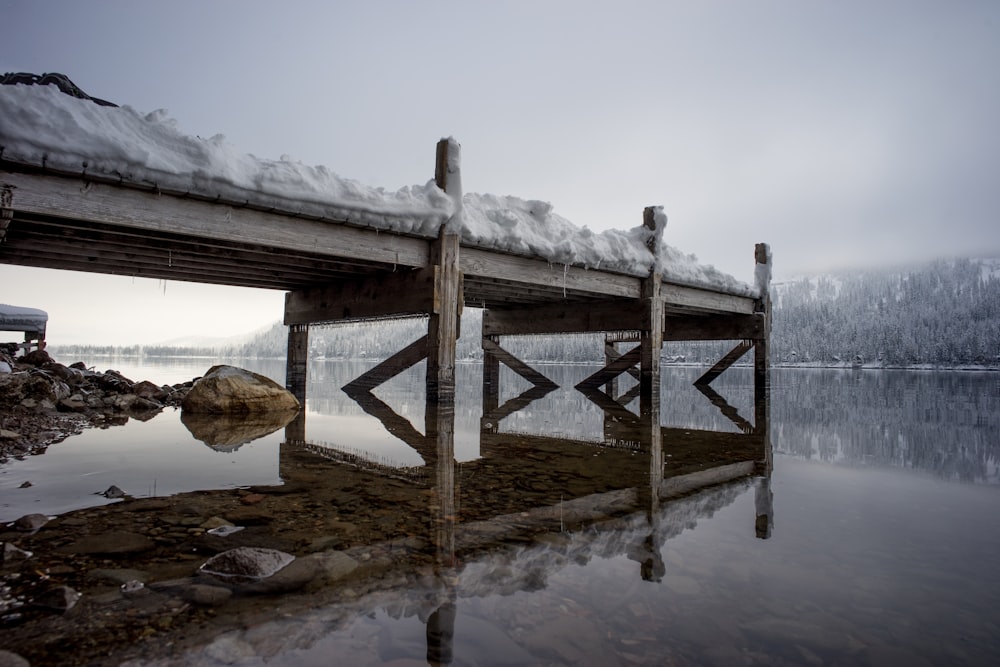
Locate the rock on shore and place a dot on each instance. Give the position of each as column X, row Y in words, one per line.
column 43, row 401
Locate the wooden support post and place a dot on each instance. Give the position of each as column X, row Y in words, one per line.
column 491, row 383
column 761, row 344
column 297, row 361
column 6, row 209
column 652, row 331
column 445, row 317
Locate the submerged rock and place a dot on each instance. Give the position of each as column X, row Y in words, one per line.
column 31, row 522
column 227, row 389
column 245, row 564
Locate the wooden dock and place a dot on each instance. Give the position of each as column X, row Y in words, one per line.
column 336, row 270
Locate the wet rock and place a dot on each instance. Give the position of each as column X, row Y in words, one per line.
column 336, row 564
column 147, row 389
column 9, row 435
column 13, row 553
column 117, row 576
column 113, row 492
column 31, row 522
column 227, row 389
column 292, row 577
column 245, row 564
column 74, row 403
column 36, row 358
column 206, row 595
column 110, row 543
column 214, row 522
column 9, row 659
column 60, row 598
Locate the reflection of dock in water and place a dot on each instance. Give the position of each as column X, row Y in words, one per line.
column 530, row 506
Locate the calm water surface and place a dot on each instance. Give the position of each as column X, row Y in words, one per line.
column 873, row 540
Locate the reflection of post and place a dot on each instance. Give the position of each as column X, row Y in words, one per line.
column 491, row 385
column 295, row 430
column 763, row 501
column 297, row 361
column 440, row 634
column 440, row 420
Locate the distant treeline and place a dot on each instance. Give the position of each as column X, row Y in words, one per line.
column 942, row 314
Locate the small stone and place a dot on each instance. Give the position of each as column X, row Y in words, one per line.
column 61, row 598
column 214, row 522
column 133, row 587
column 31, row 522
column 113, row 492
column 252, row 498
column 9, row 659
column 26, row 485
column 9, row 435
column 244, row 564
column 12, row 553
column 207, row 596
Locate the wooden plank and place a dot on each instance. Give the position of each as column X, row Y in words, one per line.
column 706, row 300
column 409, row 356
column 612, row 370
column 63, row 264
column 166, row 263
column 404, row 292
column 516, row 365
column 714, row 327
column 57, row 234
column 565, row 318
column 720, row 366
column 120, row 206
column 477, row 262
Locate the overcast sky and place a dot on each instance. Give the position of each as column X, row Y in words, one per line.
column 843, row 133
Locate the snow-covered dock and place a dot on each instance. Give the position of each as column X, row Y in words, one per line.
column 93, row 187
column 31, row 321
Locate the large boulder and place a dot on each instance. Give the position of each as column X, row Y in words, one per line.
column 227, row 389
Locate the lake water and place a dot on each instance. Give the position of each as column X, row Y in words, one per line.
column 867, row 534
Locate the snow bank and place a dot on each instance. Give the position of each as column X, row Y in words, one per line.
column 42, row 126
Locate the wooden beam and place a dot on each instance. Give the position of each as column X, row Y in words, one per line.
column 409, row 356
column 516, row 365
column 477, row 262
column 705, row 300
column 720, row 367
column 126, row 207
column 404, row 292
column 713, row 327
column 585, row 317
column 612, row 370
